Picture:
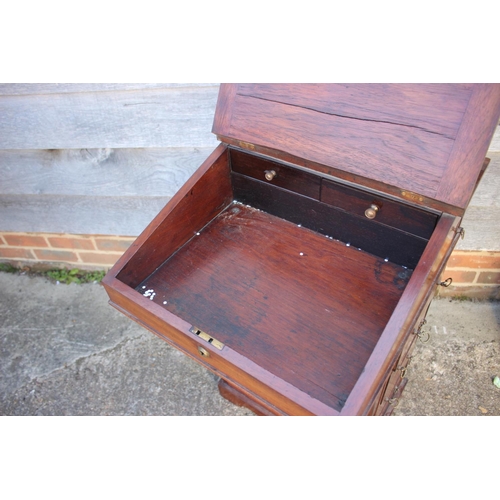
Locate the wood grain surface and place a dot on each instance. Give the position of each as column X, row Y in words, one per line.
column 305, row 308
column 384, row 241
column 416, row 138
column 202, row 198
column 64, row 88
column 99, row 172
column 146, row 118
column 419, row 290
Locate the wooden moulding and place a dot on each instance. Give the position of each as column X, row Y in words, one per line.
column 303, row 318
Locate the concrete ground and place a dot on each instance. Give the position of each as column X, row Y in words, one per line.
column 65, row 351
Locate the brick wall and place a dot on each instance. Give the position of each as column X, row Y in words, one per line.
column 44, row 250
column 475, row 274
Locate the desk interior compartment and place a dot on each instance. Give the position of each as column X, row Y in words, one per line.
column 272, row 274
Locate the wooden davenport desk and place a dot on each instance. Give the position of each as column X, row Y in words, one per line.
column 299, row 260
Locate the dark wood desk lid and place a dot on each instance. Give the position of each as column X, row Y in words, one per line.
column 425, row 143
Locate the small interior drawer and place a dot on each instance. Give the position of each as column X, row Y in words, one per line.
column 278, row 174
column 391, row 213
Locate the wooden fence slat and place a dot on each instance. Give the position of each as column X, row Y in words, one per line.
column 488, row 192
column 495, row 142
column 98, row 172
column 123, row 216
column 175, row 117
column 59, row 88
column 482, row 231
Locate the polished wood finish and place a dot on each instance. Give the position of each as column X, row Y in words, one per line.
column 390, row 213
column 189, row 211
column 413, row 137
column 314, row 308
column 420, row 289
column 236, row 397
column 355, row 201
column 299, row 297
column 236, row 368
column 467, row 156
column 387, row 243
column 285, row 177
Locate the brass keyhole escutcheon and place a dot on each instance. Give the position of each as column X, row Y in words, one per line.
column 270, row 175
column 371, row 212
column 203, row 352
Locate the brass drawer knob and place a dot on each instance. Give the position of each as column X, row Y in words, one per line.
column 371, row 212
column 270, row 175
column 203, row 352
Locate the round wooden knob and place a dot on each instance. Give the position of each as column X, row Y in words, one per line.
column 371, row 212
column 270, row 174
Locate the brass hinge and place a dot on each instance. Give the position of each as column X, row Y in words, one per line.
column 208, row 338
column 246, row 145
column 412, row 196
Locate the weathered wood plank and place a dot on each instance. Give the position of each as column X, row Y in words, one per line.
column 59, row 88
column 174, row 117
column 98, row 172
column 125, row 216
column 495, row 142
column 488, row 192
column 482, row 230
column 137, row 177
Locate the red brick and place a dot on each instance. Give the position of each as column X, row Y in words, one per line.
column 2, row 241
column 111, row 245
column 486, row 260
column 459, row 276
column 56, row 255
column 15, row 253
column 73, row 243
column 99, row 258
column 490, row 278
column 25, row 240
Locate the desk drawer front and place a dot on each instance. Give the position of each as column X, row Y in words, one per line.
column 276, row 174
column 348, row 199
column 390, row 213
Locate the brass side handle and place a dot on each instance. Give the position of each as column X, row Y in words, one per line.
column 393, row 402
column 270, row 174
column 370, row 213
column 447, row 282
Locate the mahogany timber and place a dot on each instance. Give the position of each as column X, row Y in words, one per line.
column 311, row 325
column 193, row 206
column 386, row 242
column 391, row 212
column 306, row 308
column 398, row 215
column 248, row 377
column 286, row 177
column 472, row 141
column 405, row 140
column 236, row 397
column 323, row 320
column 416, row 296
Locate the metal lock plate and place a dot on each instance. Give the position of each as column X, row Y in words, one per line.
column 208, row 338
